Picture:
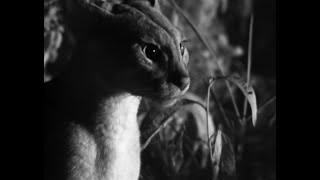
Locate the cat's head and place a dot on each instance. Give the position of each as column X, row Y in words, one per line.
column 132, row 47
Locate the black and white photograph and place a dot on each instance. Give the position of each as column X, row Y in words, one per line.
column 159, row 90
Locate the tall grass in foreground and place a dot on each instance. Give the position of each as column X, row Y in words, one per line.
column 222, row 144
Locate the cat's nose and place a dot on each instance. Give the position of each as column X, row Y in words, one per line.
column 182, row 83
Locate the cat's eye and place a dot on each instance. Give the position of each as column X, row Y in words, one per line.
column 182, row 49
column 152, row 52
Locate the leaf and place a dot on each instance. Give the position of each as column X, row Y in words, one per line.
column 228, row 161
column 223, row 156
column 216, row 154
column 249, row 93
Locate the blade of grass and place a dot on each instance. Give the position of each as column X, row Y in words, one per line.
column 273, row 119
column 216, row 100
column 217, row 154
column 267, row 103
column 167, row 119
column 249, row 93
column 224, row 114
column 213, row 54
column 164, row 124
column 211, row 81
column 262, row 107
column 249, row 65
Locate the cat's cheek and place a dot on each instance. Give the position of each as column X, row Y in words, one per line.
column 143, row 62
column 186, row 57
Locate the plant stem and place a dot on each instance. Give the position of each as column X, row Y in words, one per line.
column 167, row 119
column 249, row 66
column 164, row 124
column 211, row 81
column 224, row 114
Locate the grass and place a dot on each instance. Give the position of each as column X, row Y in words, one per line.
column 216, row 153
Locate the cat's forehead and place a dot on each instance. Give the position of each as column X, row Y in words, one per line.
column 153, row 18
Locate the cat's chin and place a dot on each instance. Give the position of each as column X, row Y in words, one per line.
column 164, row 103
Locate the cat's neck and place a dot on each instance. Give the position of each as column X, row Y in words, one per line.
column 115, row 115
column 117, row 137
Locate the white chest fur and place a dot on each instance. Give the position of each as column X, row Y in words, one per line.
column 112, row 152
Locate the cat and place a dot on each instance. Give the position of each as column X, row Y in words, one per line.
column 123, row 51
